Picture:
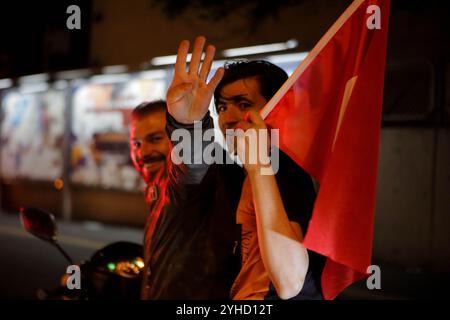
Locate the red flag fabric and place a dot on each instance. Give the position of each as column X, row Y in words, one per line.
column 329, row 115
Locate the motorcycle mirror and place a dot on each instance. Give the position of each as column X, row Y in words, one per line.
column 39, row 223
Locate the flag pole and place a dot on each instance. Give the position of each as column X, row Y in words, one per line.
column 310, row 57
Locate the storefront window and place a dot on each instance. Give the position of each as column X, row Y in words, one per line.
column 32, row 132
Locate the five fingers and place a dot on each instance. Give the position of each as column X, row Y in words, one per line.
column 194, row 65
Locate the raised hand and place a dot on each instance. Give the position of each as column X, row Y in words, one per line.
column 189, row 96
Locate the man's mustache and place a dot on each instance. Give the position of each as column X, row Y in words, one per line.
column 149, row 159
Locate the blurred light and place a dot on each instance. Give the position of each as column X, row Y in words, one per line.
column 73, row 74
column 60, row 84
column 286, row 58
column 35, row 78
column 145, row 65
column 110, row 78
column 33, row 88
column 111, row 266
column 140, row 264
column 165, row 60
column 6, row 83
column 272, row 47
column 153, row 74
column 217, row 64
column 59, row 184
column 115, row 69
column 79, row 82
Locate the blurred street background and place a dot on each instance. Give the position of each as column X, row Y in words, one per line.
column 66, row 98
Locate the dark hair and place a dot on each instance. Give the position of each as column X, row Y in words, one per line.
column 270, row 76
column 148, row 107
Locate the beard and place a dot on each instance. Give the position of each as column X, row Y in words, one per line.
column 149, row 165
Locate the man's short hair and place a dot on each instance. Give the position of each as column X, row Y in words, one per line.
column 270, row 76
column 148, row 107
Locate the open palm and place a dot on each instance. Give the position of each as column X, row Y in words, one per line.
column 189, row 96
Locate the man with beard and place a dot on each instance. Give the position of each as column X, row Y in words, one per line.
column 190, row 234
column 149, row 144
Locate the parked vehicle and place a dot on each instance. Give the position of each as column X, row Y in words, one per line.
column 113, row 272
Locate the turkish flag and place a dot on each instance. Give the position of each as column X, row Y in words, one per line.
column 329, row 115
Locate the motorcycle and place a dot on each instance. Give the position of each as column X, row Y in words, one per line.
column 113, row 272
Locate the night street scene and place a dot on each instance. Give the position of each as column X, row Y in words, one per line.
column 225, row 151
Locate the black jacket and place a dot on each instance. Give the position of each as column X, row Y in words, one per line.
column 191, row 233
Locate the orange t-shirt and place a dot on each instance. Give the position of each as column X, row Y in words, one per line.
column 252, row 282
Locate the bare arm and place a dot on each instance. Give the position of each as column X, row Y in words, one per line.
column 280, row 240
